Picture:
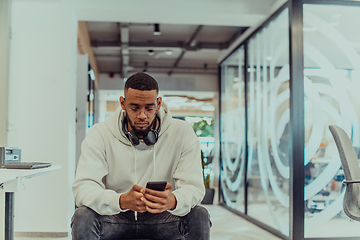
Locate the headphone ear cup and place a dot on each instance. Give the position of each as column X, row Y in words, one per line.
column 151, row 137
column 133, row 138
column 130, row 135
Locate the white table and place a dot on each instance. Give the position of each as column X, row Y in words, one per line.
column 11, row 181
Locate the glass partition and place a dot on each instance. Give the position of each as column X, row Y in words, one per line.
column 332, row 84
column 233, row 130
column 268, row 128
column 255, row 119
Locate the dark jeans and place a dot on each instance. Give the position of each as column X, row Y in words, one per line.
column 88, row 225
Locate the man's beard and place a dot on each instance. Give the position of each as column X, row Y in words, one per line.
column 140, row 132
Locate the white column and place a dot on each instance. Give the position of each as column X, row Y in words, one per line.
column 81, row 101
column 42, row 102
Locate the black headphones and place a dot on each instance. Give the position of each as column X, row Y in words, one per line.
column 150, row 138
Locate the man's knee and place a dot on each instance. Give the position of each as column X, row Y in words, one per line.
column 84, row 214
column 200, row 212
column 197, row 224
column 84, row 221
column 198, row 216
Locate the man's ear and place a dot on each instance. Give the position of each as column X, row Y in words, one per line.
column 159, row 101
column 122, row 102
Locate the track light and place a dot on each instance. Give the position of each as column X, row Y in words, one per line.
column 157, row 29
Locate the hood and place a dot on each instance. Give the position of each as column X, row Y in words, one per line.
column 114, row 122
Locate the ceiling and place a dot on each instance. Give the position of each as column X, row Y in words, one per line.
column 123, row 48
column 193, row 34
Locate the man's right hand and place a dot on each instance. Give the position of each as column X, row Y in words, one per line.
column 132, row 200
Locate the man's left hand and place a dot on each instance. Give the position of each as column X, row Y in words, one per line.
column 159, row 201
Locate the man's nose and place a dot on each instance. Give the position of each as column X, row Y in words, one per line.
column 142, row 114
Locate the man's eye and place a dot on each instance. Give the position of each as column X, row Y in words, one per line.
column 149, row 109
column 134, row 109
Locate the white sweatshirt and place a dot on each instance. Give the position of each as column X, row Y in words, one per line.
column 109, row 165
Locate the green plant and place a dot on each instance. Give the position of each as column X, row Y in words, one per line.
column 202, row 126
column 206, row 177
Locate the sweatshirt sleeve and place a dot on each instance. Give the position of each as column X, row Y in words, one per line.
column 88, row 186
column 188, row 177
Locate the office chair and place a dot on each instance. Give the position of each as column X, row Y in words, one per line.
column 350, row 165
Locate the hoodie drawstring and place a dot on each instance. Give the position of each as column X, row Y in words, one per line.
column 154, row 162
column 136, row 179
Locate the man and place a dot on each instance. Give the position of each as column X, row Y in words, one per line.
column 140, row 143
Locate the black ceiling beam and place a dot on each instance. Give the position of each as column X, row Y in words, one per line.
column 167, row 44
column 188, row 43
column 193, row 36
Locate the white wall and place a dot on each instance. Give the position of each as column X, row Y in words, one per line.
column 42, row 102
column 4, row 67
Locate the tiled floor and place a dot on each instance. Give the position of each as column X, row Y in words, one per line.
column 229, row 226
column 226, row 226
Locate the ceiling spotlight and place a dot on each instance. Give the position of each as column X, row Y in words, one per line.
column 157, row 29
column 336, row 16
column 168, row 52
column 151, row 52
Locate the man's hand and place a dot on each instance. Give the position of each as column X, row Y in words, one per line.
column 132, row 200
column 158, row 201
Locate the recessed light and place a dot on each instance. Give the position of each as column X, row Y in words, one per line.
column 151, row 52
column 268, row 58
column 168, row 52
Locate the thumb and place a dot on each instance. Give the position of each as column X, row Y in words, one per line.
column 168, row 186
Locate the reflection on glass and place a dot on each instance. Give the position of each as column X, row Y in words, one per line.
column 332, row 83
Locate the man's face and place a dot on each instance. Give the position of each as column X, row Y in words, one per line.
column 140, row 107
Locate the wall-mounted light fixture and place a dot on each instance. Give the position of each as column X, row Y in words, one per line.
column 157, row 29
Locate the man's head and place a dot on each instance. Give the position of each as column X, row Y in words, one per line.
column 141, row 102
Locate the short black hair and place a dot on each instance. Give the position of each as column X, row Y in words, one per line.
column 141, row 81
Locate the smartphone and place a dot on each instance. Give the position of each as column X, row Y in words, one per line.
column 156, row 185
